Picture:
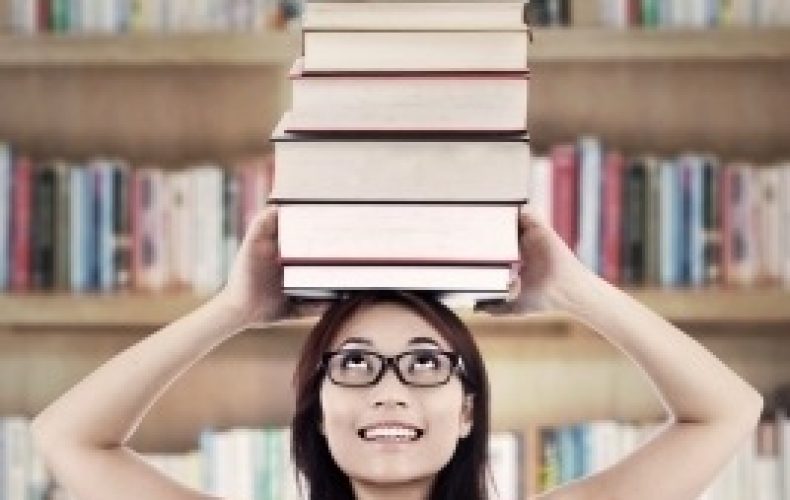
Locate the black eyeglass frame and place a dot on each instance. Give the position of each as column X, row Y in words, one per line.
column 456, row 366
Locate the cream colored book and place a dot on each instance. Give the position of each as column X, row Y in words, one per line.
column 398, row 234
column 415, row 168
column 414, row 15
column 408, row 101
column 458, row 51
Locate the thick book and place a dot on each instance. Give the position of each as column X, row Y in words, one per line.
column 490, row 282
column 398, row 101
column 634, row 207
column 589, row 245
column 398, row 234
column 411, row 50
column 416, row 16
column 351, row 169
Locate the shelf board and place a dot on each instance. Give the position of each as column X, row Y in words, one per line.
column 551, row 45
column 723, row 307
column 266, row 48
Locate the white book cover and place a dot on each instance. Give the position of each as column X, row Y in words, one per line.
column 539, row 192
column 783, row 423
column 182, row 224
column 768, row 224
column 505, row 462
column 208, row 247
column 785, row 230
column 5, row 215
column 77, row 234
column 17, row 451
column 398, row 233
column 426, row 278
column 589, row 246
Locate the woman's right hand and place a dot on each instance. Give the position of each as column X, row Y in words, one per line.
column 254, row 288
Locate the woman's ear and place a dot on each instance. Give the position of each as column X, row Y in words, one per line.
column 467, row 415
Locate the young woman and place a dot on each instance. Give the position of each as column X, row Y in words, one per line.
column 392, row 396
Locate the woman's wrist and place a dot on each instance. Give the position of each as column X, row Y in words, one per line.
column 578, row 292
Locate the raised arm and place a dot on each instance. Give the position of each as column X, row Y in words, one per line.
column 712, row 410
column 83, row 435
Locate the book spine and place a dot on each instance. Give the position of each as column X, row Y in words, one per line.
column 565, row 195
column 634, row 224
column 62, row 226
column 652, row 218
column 611, row 218
column 589, row 244
column 20, row 239
column 43, row 227
column 122, row 245
column 712, row 227
column 6, row 205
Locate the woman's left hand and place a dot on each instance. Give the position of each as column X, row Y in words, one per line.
column 550, row 275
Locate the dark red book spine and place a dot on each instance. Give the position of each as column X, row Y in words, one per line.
column 612, row 216
column 20, row 237
column 565, row 195
column 44, row 15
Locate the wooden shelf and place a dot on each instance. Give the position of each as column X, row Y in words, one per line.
column 759, row 306
column 267, row 48
column 551, row 45
column 653, row 45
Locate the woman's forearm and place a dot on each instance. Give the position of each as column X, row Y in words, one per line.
column 694, row 384
column 105, row 408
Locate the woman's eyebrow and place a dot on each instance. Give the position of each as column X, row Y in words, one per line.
column 424, row 340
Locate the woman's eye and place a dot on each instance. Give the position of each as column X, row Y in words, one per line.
column 354, row 361
column 425, row 361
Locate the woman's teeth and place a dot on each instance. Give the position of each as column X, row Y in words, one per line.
column 395, row 434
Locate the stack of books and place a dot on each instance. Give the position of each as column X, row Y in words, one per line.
column 405, row 155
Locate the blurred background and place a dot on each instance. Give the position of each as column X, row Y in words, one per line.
column 123, row 124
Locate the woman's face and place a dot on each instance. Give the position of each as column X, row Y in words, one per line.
column 359, row 422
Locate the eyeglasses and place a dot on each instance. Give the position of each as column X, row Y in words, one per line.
column 420, row 368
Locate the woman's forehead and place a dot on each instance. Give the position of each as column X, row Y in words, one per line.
column 388, row 326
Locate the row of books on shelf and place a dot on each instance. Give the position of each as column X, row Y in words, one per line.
column 664, row 13
column 105, row 225
column 158, row 16
column 760, row 468
column 689, row 220
column 694, row 13
column 255, row 464
column 237, row 463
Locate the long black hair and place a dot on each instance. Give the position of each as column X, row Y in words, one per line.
column 464, row 476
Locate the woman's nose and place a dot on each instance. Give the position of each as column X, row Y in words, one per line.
column 390, row 391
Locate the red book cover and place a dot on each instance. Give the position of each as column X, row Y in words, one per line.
column 634, row 12
column 44, row 15
column 611, row 215
column 565, row 195
column 20, row 236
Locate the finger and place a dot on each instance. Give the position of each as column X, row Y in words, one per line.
column 302, row 308
column 265, row 222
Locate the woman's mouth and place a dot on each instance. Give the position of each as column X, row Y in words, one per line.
column 390, row 433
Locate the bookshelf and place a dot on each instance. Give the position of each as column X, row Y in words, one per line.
column 180, row 98
column 551, row 45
